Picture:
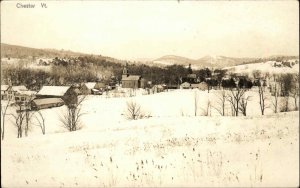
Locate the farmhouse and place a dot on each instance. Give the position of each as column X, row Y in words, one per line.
column 16, row 93
column 38, row 104
column 92, row 88
column 172, row 86
column 24, row 95
column 185, row 85
column 67, row 93
column 100, row 86
column 4, row 92
column 158, row 88
column 132, row 81
column 202, row 86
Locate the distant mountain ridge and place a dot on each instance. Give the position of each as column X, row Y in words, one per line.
column 15, row 51
column 216, row 61
column 206, row 61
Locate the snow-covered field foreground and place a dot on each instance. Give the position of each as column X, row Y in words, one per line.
column 171, row 148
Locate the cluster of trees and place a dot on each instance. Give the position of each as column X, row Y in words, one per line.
column 31, row 78
column 281, row 88
column 93, row 68
column 285, row 86
column 21, row 117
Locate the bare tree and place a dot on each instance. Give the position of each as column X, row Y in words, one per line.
column 284, row 104
column 196, row 102
column 41, row 121
column 234, row 98
column 19, row 119
column 243, row 105
column 28, row 113
column 4, row 113
column 262, row 99
column 275, row 92
column 221, row 103
column 71, row 119
column 256, row 74
column 295, row 90
column 207, row 109
column 133, row 111
column 286, row 82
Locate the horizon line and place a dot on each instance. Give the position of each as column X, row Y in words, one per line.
column 152, row 59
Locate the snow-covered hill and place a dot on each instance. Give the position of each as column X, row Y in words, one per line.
column 206, row 61
column 272, row 67
column 173, row 59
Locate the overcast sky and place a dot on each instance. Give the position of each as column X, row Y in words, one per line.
column 151, row 29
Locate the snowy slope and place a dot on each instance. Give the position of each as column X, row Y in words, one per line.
column 171, row 148
column 264, row 67
column 206, row 61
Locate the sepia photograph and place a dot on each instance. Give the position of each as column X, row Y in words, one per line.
column 149, row 93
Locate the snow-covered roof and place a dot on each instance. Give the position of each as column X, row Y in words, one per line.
column 191, row 75
column 131, row 77
column 199, row 84
column 90, row 85
column 158, row 86
column 26, row 92
column 4, row 87
column 47, row 101
column 185, row 83
column 19, row 88
column 53, row 90
column 100, row 85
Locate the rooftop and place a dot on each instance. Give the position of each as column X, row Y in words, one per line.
column 4, row 87
column 131, row 77
column 53, row 90
column 90, row 85
column 19, row 88
column 47, row 101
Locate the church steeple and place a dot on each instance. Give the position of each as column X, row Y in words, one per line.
column 125, row 71
column 190, row 71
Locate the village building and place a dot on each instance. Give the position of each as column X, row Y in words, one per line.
column 185, row 85
column 172, row 86
column 190, row 77
column 95, row 88
column 23, row 95
column 4, row 92
column 67, row 93
column 16, row 94
column 38, row 104
column 101, row 86
column 158, row 88
column 201, row 86
column 132, row 81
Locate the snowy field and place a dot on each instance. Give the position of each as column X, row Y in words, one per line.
column 172, row 147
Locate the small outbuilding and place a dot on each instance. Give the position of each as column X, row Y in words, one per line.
column 4, row 92
column 185, row 85
column 202, row 86
column 67, row 93
column 38, row 104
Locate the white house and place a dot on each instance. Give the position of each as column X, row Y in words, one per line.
column 185, row 85
column 4, row 91
column 202, row 86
